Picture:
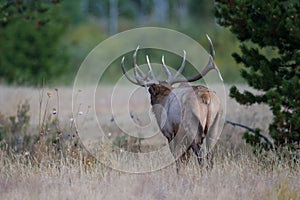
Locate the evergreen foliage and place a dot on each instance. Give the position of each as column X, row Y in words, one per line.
column 30, row 33
column 262, row 26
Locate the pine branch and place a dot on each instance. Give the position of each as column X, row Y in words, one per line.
column 252, row 131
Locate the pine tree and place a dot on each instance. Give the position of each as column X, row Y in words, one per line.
column 272, row 25
column 30, row 33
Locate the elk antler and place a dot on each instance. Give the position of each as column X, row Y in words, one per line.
column 170, row 78
column 141, row 78
column 210, row 65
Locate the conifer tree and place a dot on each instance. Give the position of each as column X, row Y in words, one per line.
column 30, row 33
column 268, row 26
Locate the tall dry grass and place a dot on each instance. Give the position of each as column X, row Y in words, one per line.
column 237, row 173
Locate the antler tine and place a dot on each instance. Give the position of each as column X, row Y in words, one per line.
column 139, row 80
column 219, row 73
column 150, row 68
column 182, row 65
column 169, row 75
column 211, row 47
column 138, row 73
column 125, row 73
column 212, row 54
column 137, row 70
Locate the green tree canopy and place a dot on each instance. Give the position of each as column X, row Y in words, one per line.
column 30, row 32
column 272, row 25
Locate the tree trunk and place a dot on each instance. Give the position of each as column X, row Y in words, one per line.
column 84, row 5
column 160, row 11
column 182, row 12
column 113, row 16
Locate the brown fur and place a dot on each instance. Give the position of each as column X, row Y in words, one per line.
column 199, row 105
column 159, row 92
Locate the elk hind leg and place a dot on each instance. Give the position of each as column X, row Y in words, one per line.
column 212, row 138
column 198, row 152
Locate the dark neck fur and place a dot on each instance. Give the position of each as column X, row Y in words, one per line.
column 158, row 93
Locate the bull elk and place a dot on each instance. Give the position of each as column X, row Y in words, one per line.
column 185, row 114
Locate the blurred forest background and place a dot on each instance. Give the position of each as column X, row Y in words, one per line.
column 45, row 41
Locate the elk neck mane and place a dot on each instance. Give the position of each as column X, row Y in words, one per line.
column 158, row 93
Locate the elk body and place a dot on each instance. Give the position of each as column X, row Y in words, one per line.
column 185, row 114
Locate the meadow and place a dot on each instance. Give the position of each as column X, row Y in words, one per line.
column 237, row 172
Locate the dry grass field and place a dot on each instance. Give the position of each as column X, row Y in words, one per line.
column 237, row 173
